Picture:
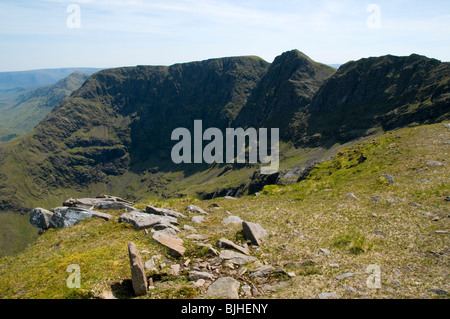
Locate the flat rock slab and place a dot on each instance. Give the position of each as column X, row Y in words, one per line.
column 226, row 287
column 69, row 216
column 198, row 219
column 195, row 210
column 232, row 220
column 225, row 243
column 110, row 204
column 168, row 238
column 138, row 277
column 196, row 275
column 143, row 220
column 254, row 232
column 435, row 164
column 236, row 258
column 163, row 212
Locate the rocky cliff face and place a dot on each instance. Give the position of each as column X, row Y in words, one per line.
column 115, row 130
column 387, row 92
column 287, row 88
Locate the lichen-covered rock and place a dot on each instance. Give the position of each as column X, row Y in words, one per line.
column 143, row 220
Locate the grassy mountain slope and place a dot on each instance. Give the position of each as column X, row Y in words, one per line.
column 390, row 225
column 23, row 109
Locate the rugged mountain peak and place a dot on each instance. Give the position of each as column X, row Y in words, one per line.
column 289, row 84
column 380, row 92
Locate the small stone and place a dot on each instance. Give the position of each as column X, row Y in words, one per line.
column 374, row 215
column 379, row 232
column 352, row 196
column 198, row 219
column 262, row 271
column 434, row 164
column 175, row 270
column 389, row 178
column 247, row 290
column 225, row 287
column 435, row 254
column 212, row 252
column 328, row 295
column 442, row 232
column 325, row 251
column 439, row 292
column 199, row 283
column 333, row 265
column 189, row 228
column 150, row 265
column 196, row 275
column 345, row 275
column 241, row 271
column 225, row 243
column 291, row 274
column 195, row 210
column 424, row 181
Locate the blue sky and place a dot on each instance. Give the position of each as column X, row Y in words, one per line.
column 113, row 33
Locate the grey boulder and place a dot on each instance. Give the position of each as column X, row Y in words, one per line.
column 40, row 218
column 69, row 216
column 254, row 232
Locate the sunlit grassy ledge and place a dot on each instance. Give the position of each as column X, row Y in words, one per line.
column 392, row 226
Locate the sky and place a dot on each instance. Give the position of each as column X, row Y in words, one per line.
column 113, row 33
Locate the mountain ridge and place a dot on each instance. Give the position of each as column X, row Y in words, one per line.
column 113, row 134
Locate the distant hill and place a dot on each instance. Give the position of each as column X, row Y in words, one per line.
column 36, row 78
column 22, row 109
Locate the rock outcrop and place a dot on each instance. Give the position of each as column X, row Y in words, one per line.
column 61, row 217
